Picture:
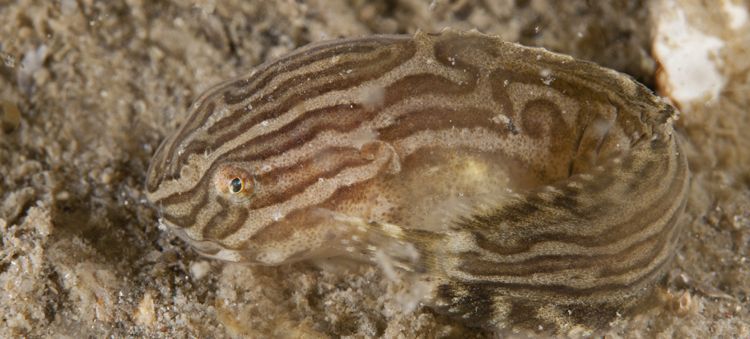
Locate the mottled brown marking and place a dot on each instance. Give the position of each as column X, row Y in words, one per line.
column 514, row 172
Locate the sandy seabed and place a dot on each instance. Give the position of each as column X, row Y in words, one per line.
column 89, row 89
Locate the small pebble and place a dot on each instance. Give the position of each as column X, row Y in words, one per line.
column 145, row 315
column 199, row 269
column 10, row 116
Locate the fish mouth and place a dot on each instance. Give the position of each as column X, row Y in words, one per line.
column 206, row 248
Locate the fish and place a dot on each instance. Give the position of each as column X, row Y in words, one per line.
column 528, row 187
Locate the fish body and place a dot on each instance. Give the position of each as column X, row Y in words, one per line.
column 528, row 186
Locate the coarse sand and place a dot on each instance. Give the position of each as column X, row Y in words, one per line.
column 89, row 88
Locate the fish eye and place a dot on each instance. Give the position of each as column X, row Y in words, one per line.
column 236, row 186
column 235, row 181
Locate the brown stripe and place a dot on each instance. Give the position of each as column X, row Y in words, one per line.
column 439, row 118
column 652, row 245
column 360, row 70
column 614, row 290
column 236, row 155
column 160, row 166
column 266, row 74
column 306, row 174
column 218, row 227
column 302, row 57
column 339, row 118
column 185, row 221
column 237, row 122
column 415, row 85
column 608, row 235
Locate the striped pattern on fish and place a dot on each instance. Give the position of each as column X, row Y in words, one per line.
column 528, row 186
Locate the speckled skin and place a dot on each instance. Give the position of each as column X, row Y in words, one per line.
column 528, row 187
